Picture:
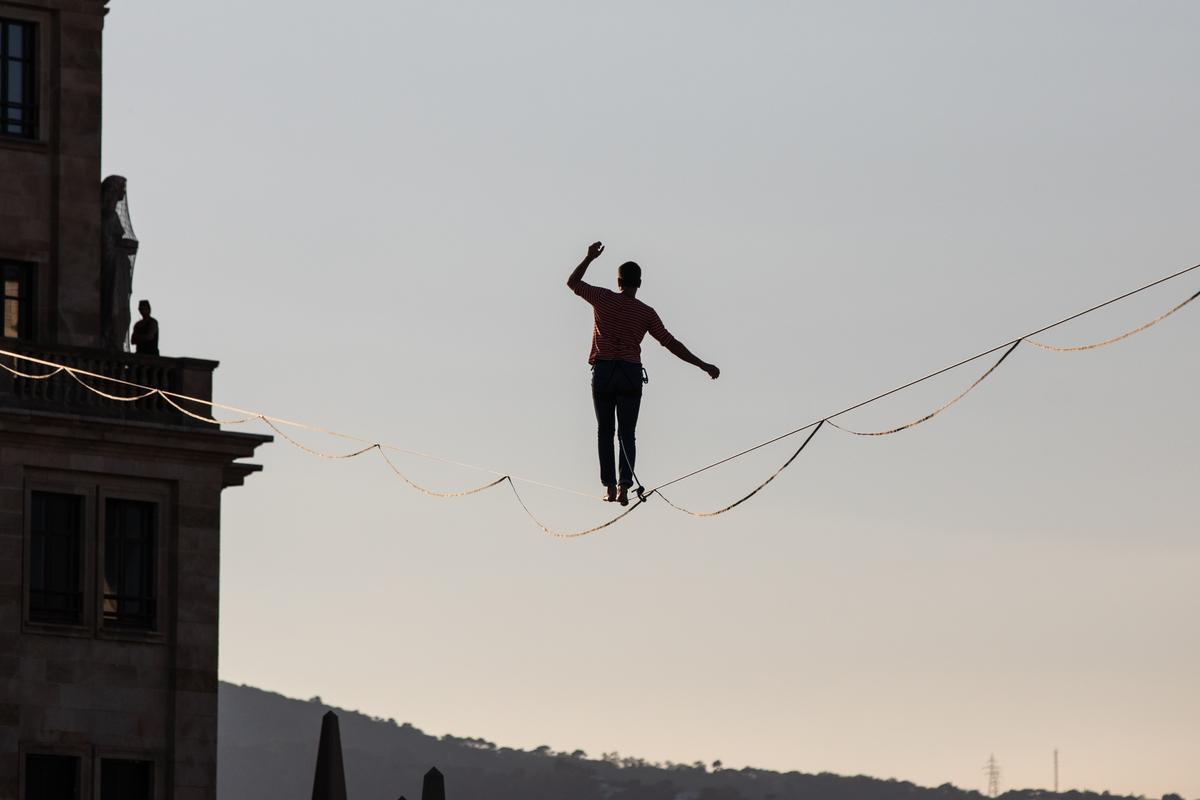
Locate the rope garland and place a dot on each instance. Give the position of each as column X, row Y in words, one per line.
column 1115, row 339
column 210, row 420
column 937, row 410
column 319, row 454
column 150, row 392
column 431, row 492
column 27, row 376
column 557, row 534
column 756, row 490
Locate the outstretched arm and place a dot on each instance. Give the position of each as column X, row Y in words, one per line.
column 680, row 351
column 577, row 275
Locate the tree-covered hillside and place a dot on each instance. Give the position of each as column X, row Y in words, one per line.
column 268, row 746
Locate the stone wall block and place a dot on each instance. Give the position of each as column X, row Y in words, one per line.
column 66, row 720
column 119, row 676
column 195, row 775
column 10, row 568
column 199, row 566
column 195, row 704
column 12, row 499
column 200, row 491
column 10, row 595
column 193, row 541
column 196, row 732
column 41, row 694
column 191, row 516
column 200, row 603
column 85, row 698
column 183, row 792
column 198, row 635
column 61, row 670
column 10, row 765
column 196, row 680
column 31, row 668
column 116, row 726
column 80, row 45
column 197, row 658
column 12, row 522
column 10, row 623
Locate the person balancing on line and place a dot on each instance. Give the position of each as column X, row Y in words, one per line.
column 621, row 321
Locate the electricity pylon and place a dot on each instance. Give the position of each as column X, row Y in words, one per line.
column 993, row 774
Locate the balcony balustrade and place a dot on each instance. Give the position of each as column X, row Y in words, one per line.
column 63, row 394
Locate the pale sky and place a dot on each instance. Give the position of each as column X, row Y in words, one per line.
column 367, row 211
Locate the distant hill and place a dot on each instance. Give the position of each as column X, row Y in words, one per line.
column 268, row 746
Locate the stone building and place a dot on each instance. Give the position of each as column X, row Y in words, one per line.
column 109, row 509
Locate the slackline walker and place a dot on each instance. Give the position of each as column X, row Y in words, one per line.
column 620, row 322
column 123, row 391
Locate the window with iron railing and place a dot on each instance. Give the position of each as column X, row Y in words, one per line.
column 18, row 79
column 122, row 779
column 130, row 559
column 51, row 776
column 56, row 558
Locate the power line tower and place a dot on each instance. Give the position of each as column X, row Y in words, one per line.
column 1056, row 770
column 993, row 775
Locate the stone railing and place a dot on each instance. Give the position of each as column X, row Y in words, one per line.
column 63, row 394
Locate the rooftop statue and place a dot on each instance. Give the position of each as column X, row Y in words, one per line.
column 119, row 249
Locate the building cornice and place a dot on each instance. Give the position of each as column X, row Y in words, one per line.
column 133, row 441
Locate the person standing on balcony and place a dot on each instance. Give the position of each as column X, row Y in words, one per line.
column 145, row 331
column 621, row 321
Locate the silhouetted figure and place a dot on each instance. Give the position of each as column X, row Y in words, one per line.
column 434, row 786
column 329, row 783
column 621, row 322
column 119, row 246
column 145, row 331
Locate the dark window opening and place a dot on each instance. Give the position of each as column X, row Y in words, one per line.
column 51, row 777
column 16, row 294
column 18, row 79
column 126, row 780
column 55, row 558
column 129, row 563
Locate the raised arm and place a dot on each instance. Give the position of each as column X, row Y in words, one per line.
column 679, row 350
column 577, row 275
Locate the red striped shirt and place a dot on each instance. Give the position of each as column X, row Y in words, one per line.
column 621, row 324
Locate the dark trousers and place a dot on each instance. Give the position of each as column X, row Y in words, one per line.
column 616, row 391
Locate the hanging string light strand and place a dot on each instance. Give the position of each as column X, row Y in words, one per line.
column 174, row 399
column 1115, row 339
column 937, row 410
column 934, row 374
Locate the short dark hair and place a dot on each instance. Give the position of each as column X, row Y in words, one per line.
column 629, row 274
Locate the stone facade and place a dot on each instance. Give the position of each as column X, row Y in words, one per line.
column 50, row 191
column 89, row 691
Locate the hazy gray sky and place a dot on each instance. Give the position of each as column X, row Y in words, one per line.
column 367, row 210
